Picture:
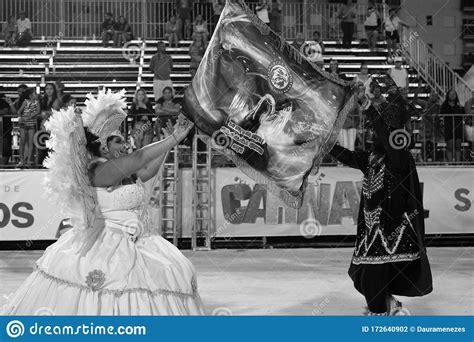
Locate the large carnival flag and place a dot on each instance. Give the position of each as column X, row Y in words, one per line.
column 264, row 105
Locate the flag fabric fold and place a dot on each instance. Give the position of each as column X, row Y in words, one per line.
column 264, row 105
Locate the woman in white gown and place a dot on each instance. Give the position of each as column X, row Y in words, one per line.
column 111, row 262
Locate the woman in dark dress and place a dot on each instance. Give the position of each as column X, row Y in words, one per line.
column 142, row 114
column 453, row 125
column 390, row 256
column 48, row 102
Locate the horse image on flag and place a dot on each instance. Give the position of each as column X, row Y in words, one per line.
column 264, row 105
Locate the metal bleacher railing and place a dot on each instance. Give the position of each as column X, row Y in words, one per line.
column 439, row 75
column 82, row 18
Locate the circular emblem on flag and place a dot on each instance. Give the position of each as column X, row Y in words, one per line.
column 279, row 78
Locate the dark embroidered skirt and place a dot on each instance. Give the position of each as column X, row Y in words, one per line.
column 404, row 278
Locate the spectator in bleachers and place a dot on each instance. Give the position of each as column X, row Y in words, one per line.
column 161, row 65
column 24, row 30
column 371, row 24
column 60, row 90
column 365, row 78
column 196, row 51
column 142, row 113
column 19, row 101
column 48, row 101
column 275, row 16
column 7, row 107
column 347, row 15
column 263, row 11
column 392, row 24
column 10, row 31
column 28, row 114
column 171, row 31
column 451, row 111
column 334, row 70
column 399, row 74
column 200, row 28
column 68, row 101
column 377, row 97
column 108, row 28
column 217, row 7
column 183, row 12
column 430, row 126
column 299, row 41
column 167, row 108
column 122, row 32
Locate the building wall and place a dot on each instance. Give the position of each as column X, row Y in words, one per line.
column 445, row 32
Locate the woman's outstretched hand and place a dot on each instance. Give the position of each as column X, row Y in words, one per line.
column 180, row 130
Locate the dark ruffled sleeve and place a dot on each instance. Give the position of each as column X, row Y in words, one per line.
column 356, row 160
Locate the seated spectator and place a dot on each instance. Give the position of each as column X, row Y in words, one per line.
column 108, row 28
column 452, row 111
column 7, row 107
column 299, row 41
column 377, row 97
column 122, row 32
column 399, row 74
column 275, row 16
column 171, row 32
column 334, row 70
column 196, row 51
column 24, row 30
column 167, row 107
column 183, row 13
column 48, row 101
column 28, row 114
column 68, row 101
column 142, row 113
column 200, row 28
column 10, row 31
column 364, row 78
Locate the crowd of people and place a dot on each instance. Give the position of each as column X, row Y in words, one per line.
column 17, row 31
column 147, row 118
column 432, row 122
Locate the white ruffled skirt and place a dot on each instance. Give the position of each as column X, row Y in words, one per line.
column 115, row 276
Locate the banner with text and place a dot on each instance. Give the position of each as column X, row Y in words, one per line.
column 243, row 208
column 25, row 212
column 331, row 204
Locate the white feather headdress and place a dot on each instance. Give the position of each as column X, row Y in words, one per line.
column 104, row 115
column 67, row 182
